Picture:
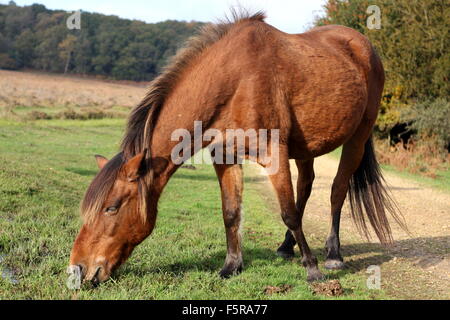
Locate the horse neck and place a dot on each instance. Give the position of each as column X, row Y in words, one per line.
column 199, row 95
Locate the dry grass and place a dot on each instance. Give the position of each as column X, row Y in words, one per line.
column 423, row 158
column 26, row 95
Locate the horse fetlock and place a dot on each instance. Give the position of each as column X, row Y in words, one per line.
column 333, row 254
column 314, row 274
column 309, row 262
column 286, row 249
column 312, row 269
column 332, row 248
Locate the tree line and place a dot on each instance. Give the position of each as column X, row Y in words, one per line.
column 35, row 37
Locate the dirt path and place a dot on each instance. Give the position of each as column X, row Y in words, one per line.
column 418, row 265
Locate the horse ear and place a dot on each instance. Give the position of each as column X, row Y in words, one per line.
column 101, row 161
column 134, row 167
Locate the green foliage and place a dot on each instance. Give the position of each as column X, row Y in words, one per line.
column 34, row 37
column 6, row 62
column 392, row 105
column 413, row 42
column 431, row 119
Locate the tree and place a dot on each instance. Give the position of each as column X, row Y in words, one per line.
column 24, row 48
column 413, row 41
column 35, row 37
column 66, row 49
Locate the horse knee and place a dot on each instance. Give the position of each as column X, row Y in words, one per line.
column 291, row 220
column 231, row 217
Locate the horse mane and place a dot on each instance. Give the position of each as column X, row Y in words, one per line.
column 143, row 117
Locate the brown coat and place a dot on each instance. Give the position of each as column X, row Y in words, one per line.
column 321, row 89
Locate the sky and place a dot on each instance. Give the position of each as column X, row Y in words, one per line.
column 293, row 16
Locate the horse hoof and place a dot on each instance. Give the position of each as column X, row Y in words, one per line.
column 227, row 272
column 286, row 254
column 314, row 275
column 333, row 264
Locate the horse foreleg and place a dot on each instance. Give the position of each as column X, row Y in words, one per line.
column 286, row 249
column 231, row 184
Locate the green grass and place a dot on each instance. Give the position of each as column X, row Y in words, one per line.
column 441, row 182
column 45, row 167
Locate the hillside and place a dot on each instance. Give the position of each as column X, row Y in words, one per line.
column 35, row 37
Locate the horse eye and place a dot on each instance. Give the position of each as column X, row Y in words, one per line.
column 111, row 210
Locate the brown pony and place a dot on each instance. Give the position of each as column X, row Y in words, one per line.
column 320, row 89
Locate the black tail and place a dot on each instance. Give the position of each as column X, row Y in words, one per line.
column 367, row 190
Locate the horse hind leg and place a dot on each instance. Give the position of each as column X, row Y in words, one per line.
column 352, row 153
column 292, row 216
column 304, row 186
column 231, row 184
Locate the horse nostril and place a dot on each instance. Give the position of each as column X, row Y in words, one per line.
column 82, row 270
column 95, row 280
column 80, row 267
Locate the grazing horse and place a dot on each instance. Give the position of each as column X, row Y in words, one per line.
column 320, row 90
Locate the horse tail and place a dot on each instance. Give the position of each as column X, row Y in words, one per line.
column 367, row 192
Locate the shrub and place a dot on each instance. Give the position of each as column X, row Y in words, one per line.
column 38, row 115
column 431, row 120
column 6, row 62
column 69, row 114
column 89, row 114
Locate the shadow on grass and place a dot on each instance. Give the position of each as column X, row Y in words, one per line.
column 417, row 249
column 213, row 263
column 208, row 177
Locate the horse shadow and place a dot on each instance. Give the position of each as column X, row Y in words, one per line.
column 212, row 263
column 424, row 251
column 203, row 177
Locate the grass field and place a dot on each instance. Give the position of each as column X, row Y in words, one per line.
column 45, row 167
